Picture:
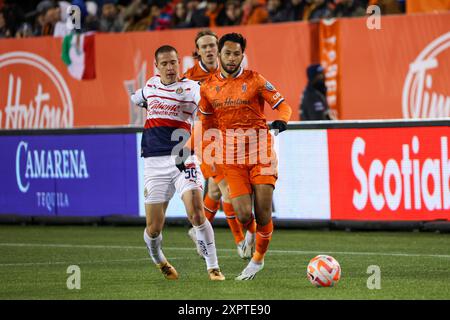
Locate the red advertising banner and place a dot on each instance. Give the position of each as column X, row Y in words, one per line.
column 389, row 173
column 37, row 91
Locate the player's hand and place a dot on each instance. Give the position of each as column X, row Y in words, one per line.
column 143, row 104
column 279, row 125
column 181, row 159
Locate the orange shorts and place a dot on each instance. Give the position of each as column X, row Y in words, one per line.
column 241, row 177
column 209, row 171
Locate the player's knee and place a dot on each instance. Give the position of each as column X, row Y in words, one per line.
column 244, row 213
column 152, row 231
column 214, row 193
column 213, row 190
column 262, row 220
column 197, row 218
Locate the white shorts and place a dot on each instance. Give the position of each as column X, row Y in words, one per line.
column 162, row 178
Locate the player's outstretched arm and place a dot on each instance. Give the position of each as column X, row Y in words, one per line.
column 138, row 98
column 285, row 113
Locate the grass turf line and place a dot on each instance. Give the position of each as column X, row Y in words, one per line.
column 114, row 264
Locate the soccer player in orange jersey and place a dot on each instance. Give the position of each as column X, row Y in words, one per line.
column 235, row 98
column 206, row 43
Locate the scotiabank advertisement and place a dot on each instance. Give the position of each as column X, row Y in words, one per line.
column 389, row 173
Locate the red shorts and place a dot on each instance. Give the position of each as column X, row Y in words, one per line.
column 241, row 177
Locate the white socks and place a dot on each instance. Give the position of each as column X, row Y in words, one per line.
column 154, row 248
column 205, row 240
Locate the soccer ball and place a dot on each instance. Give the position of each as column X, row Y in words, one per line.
column 323, row 271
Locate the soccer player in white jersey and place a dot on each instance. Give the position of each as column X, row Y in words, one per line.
column 171, row 105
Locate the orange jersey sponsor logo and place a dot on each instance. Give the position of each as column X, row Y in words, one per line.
column 238, row 103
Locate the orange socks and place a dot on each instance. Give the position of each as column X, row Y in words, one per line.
column 233, row 222
column 210, row 207
column 263, row 237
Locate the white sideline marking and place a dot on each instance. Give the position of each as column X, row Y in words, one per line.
column 271, row 251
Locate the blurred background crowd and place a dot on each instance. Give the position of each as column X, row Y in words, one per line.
column 48, row 17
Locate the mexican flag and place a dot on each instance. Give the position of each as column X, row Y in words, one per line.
column 78, row 53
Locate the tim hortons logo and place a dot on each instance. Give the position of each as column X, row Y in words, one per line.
column 37, row 95
column 422, row 97
column 411, row 176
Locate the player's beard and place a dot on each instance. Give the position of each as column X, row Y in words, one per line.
column 229, row 70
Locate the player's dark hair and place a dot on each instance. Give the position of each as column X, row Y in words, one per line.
column 164, row 49
column 233, row 37
column 200, row 34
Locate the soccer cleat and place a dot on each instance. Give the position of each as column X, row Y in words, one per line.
column 216, row 275
column 193, row 236
column 168, row 270
column 246, row 247
column 250, row 271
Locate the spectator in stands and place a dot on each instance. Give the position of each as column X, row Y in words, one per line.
column 4, row 32
column 294, row 10
column 387, row 6
column 191, row 10
column 61, row 29
column 276, row 11
column 12, row 17
column 233, row 14
column 92, row 22
column 318, row 9
column 207, row 16
column 314, row 105
column 24, row 31
column 349, row 8
column 179, row 18
column 51, row 17
column 137, row 16
column 161, row 16
column 111, row 20
column 255, row 12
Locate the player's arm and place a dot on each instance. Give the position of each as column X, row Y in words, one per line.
column 277, row 102
column 205, row 111
column 138, row 98
column 193, row 144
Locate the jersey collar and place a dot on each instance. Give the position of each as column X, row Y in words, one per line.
column 241, row 70
column 205, row 68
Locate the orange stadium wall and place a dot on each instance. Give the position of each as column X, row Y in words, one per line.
column 32, row 70
column 399, row 71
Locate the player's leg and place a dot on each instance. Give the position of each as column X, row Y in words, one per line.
column 211, row 203
column 189, row 185
column 212, row 199
column 244, row 244
column 240, row 195
column 263, row 179
column 158, row 192
column 204, row 232
column 155, row 216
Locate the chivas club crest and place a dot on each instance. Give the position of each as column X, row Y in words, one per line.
column 217, row 89
column 244, row 87
column 179, row 90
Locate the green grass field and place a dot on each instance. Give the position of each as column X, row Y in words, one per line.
column 114, row 264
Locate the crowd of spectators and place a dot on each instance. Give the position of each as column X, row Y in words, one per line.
column 48, row 17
